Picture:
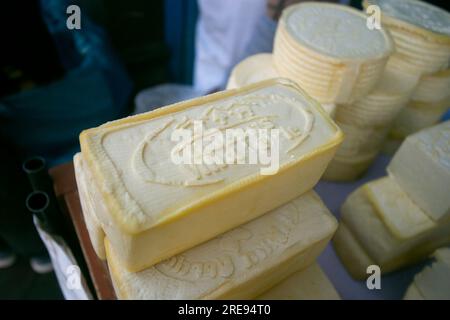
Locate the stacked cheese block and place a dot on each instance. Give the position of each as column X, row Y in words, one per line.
column 432, row 283
column 329, row 51
column 174, row 230
column 421, row 33
column 403, row 217
column 257, row 68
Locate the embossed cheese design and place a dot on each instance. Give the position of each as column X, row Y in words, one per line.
column 217, row 119
column 240, row 263
column 235, row 242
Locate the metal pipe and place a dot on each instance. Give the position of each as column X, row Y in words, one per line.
column 39, row 204
column 36, row 169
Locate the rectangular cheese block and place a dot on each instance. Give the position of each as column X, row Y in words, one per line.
column 89, row 207
column 239, row 264
column 421, row 167
column 370, row 234
column 309, row 284
column 398, row 212
column 156, row 208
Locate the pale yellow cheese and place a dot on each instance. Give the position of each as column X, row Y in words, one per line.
column 309, row 284
column 156, row 209
column 348, row 168
column 89, row 207
column 420, row 32
column 328, row 50
column 350, row 252
column 370, row 235
column 433, row 282
column 443, row 255
column 417, row 116
column 398, row 212
column 253, row 69
column 239, row 264
column 433, row 88
column 257, row 68
column 421, row 167
column 380, row 107
column 360, row 140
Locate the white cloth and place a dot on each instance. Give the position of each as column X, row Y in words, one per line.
column 224, row 30
column 70, row 279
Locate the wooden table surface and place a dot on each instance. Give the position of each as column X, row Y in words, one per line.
column 67, row 194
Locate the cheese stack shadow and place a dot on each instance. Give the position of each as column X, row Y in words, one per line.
column 400, row 219
column 421, row 33
column 191, row 230
column 430, row 283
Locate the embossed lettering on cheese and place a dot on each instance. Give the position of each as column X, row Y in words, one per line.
column 235, row 257
column 137, row 158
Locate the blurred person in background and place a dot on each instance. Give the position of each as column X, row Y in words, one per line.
column 228, row 32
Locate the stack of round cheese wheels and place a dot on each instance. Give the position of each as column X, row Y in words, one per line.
column 421, row 33
column 329, row 51
column 252, row 69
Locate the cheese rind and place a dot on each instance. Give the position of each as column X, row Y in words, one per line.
column 398, row 212
column 417, row 116
column 350, row 252
column 433, row 88
column 433, row 282
column 239, row 264
column 360, row 140
column 370, row 234
column 308, row 284
column 416, row 13
column 89, row 207
column 421, row 167
column 422, row 47
column 146, row 206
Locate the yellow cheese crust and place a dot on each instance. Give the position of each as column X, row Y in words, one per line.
column 239, row 264
column 88, row 207
column 127, row 213
column 368, row 236
column 417, row 30
column 309, row 284
column 433, row 282
column 398, row 212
